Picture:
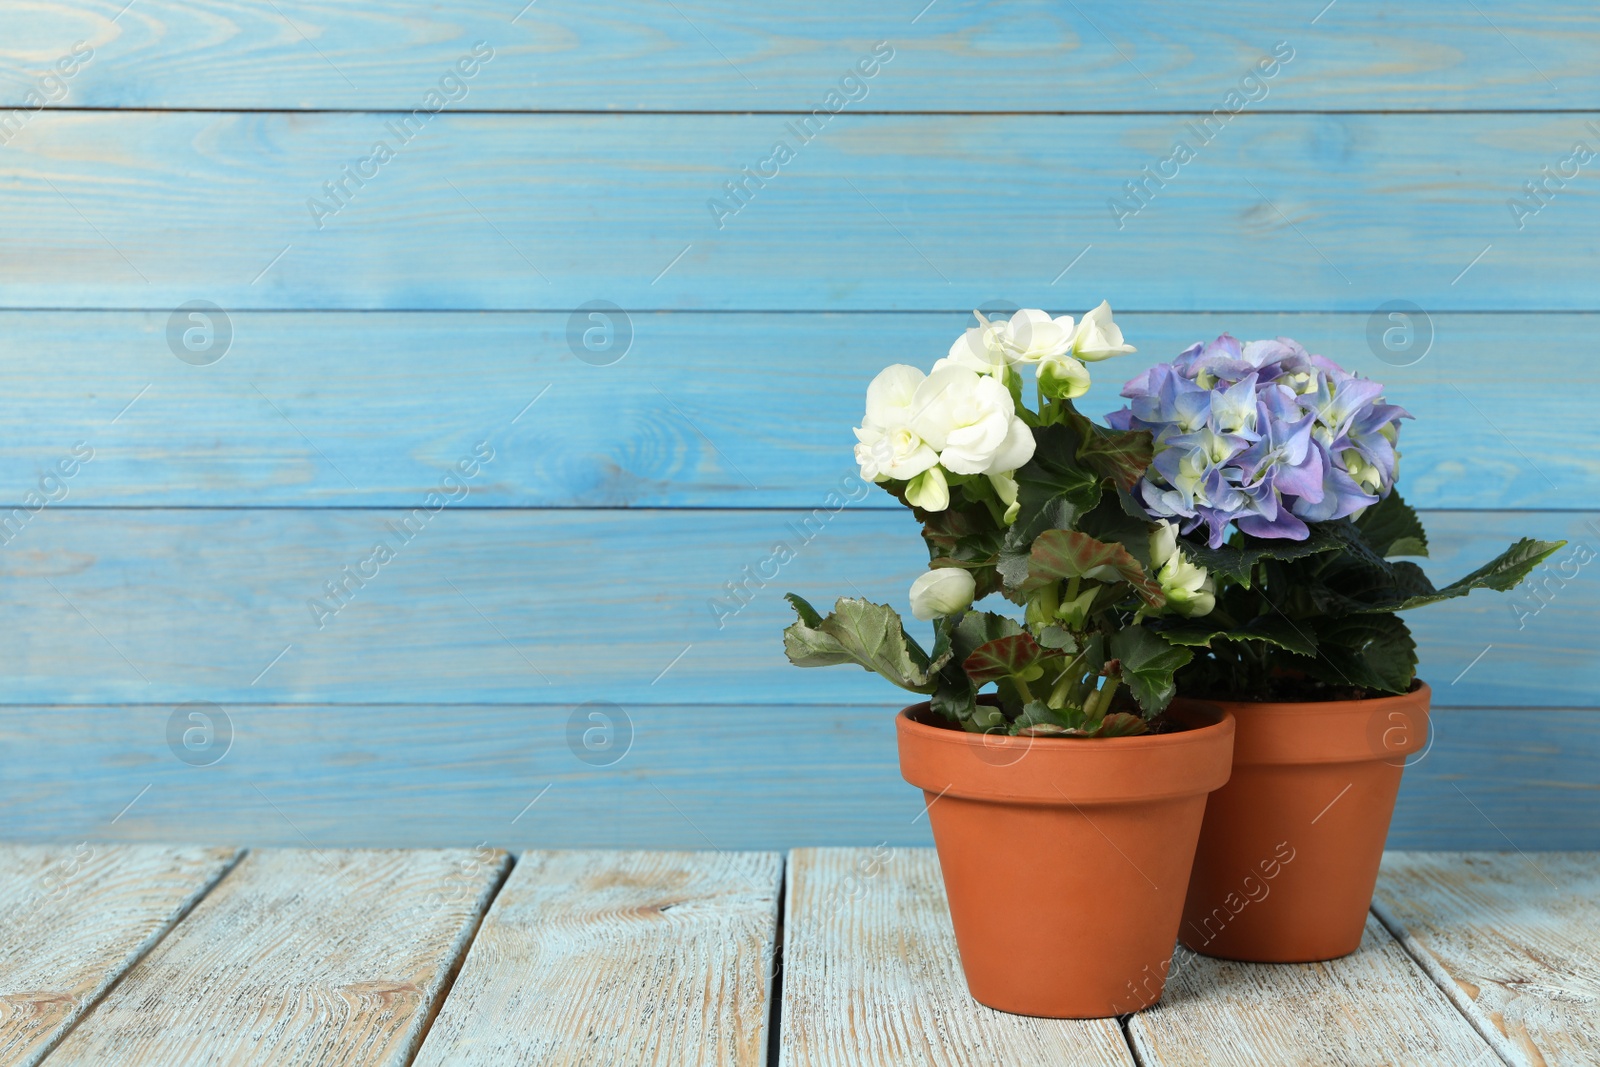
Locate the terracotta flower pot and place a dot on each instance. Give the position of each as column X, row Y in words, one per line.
column 1290, row 848
column 1065, row 860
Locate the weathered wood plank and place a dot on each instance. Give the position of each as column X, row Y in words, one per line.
column 698, row 399
column 73, row 918
column 112, row 606
column 602, row 958
column 1293, row 212
column 779, row 775
column 1373, row 1006
column 720, row 55
column 871, row 976
column 300, row 957
column 1510, row 937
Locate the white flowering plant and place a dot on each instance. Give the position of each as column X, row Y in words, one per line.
column 1230, row 531
column 1034, row 504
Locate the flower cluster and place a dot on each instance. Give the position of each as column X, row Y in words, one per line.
column 1099, row 533
column 919, row 427
column 1188, row 587
column 1262, row 435
column 1055, row 346
column 1098, row 588
column 962, row 419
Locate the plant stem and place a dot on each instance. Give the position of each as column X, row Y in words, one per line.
column 1107, row 693
column 1072, row 588
column 1050, row 601
column 1068, row 684
column 1022, row 689
column 1099, row 701
column 1058, row 695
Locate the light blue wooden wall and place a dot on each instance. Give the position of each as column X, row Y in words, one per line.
column 375, row 348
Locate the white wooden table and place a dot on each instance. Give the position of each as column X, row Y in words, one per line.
column 147, row 956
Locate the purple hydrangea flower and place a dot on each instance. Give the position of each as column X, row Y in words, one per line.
column 1264, row 436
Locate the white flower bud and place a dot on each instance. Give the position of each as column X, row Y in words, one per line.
column 1028, row 336
column 1098, row 337
column 944, row 591
column 1063, row 378
column 929, row 490
column 1188, row 586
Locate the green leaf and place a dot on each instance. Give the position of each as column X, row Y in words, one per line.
column 1503, row 573
column 858, row 631
column 1002, row 657
column 803, row 608
column 1148, row 663
column 1053, row 484
column 1059, row 554
column 1272, row 629
column 1058, row 638
column 979, row 628
column 1354, row 579
column 1040, row 720
column 1045, row 729
column 806, row 643
column 955, row 696
column 1354, row 585
column 1108, row 522
column 969, row 534
column 1235, row 562
column 1038, row 713
column 1053, row 490
column 1407, row 546
column 1119, row 455
column 944, row 628
column 1121, row 724
column 1370, row 651
column 1392, row 528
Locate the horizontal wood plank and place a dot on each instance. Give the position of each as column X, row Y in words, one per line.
column 1373, row 1006
column 300, row 957
column 603, row 958
column 1511, row 939
column 73, row 918
column 703, row 410
column 1019, row 55
column 628, row 606
column 523, row 777
column 872, row 978
column 1289, row 212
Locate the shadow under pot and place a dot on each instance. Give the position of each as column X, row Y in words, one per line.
column 1065, row 859
column 1290, row 847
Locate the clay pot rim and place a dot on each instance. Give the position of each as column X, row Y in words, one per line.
column 1077, row 771
column 1330, row 731
column 1419, row 690
column 1197, row 735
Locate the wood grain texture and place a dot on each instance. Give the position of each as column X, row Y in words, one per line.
column 778, row 775
column 721, row 55
column 1291, row 212
column 299, row 957
column 602, row 958
column 298, row 414
column 557, row 607
column 871, row 976
column 1372, row 1007
column 1511, row 939
column 73, row 918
